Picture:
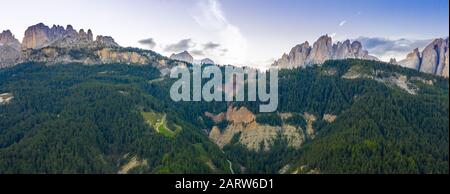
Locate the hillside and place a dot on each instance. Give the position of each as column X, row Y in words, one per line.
column 345, row 116
column 87, row 119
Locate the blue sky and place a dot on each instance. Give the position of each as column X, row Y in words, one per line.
column 240, row 31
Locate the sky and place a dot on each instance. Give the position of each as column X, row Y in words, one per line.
column 241, row 32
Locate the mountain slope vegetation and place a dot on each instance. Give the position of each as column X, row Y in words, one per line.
column 358, row 116
column 86, row 119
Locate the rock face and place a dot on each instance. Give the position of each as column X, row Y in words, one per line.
column 393, row 61
column 52, row 55
column 241, row 115
column 298, row 56
column 433, row 59
column 40, row 36
column 8, row 56
column 6, row 98
column 242, row 122
column 445, row 70
column 9, row 49
column 106, row 41
column 412, row 60
column 207, row 61
column 8, row 39
column 59, row 45
column 108, row 55
column 322, row 50
column 184, row 56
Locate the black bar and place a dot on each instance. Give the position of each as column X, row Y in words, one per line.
column 281, row 183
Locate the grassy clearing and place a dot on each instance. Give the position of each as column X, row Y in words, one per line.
column 159, row 122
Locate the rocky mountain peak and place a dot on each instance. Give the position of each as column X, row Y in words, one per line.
column 413, row 60
column 69, row 28
column 40, row 36
column 9, row 49
column 90, row 35
column 325, row 39
column 6, row 34
column 106, row 41
column 356, row 45
column 322, row 50
column 433, row 56
column 8, row 39
column 433, row 59
column 206, row 61
column 60, row 45
column 393, row 61
column 183, row 56
column 82, row 33
column 300, row 48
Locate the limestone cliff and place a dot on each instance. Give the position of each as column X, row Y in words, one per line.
column 322, row 50
column 242, row 122
column 184, row 56
column 59, row 45
column 433, row 59
column 9, row 49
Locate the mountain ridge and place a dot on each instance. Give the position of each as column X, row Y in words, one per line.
column 434, row 58
column 322, row 50
column 56, row 44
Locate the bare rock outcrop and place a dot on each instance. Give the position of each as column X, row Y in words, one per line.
column 40, row 36
column 393, row 61
column 446, row 64
column 413, row 60
column 206, row 61
column 310, row 119
column 9, row 49
column 329, row 118
column 108, row 55
column 322, row 50
column 433, row 59
column 252, row 134
column 8, row 39
column 6, row 98
column 184, row 56
column 59, row 45
column 298, row 55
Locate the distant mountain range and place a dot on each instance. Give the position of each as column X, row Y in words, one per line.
column 57, row 44
column 322, row 50
column 433, row 59
column 185, row 56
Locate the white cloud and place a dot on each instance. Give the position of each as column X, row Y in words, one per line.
column 342, row 23
column 182, row 45
column 149, row 42
column 333, row 35
column 385, row 49
column 211, row 17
